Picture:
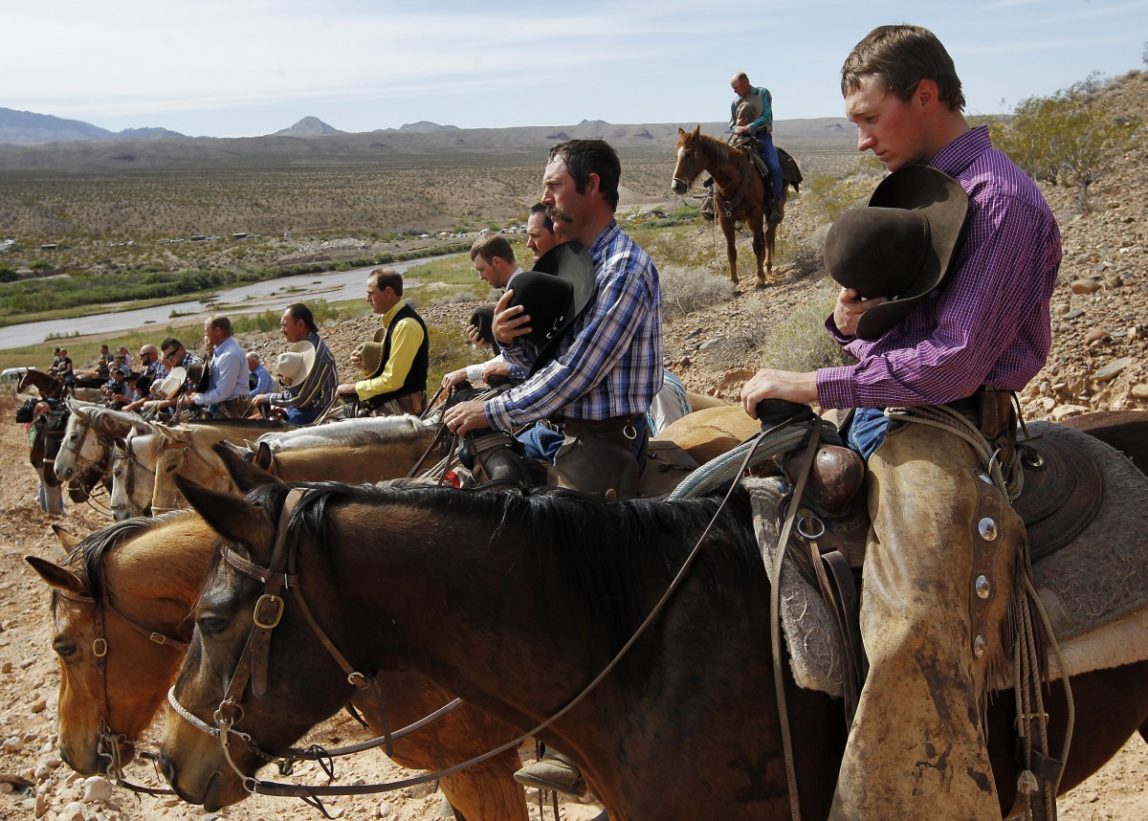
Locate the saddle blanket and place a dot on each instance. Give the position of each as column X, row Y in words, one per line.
column 1094, row 590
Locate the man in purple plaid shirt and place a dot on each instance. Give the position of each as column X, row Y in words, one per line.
column 931, row 625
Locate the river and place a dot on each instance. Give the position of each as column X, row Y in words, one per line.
column 275, row 294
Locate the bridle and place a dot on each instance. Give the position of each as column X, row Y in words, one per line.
column 280, row 576
column 108, row 740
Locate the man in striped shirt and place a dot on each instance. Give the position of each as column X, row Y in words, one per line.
column 930, row 623
column 301, row 404
column 609, row 366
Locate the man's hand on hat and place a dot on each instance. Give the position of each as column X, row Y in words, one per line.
column 510, row 321
column 849, row 308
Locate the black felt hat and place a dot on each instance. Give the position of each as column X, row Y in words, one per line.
column 900, row 246
column 554, row 294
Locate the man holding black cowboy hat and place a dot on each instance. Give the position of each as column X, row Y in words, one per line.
column 394, row 366
column 946, row 282
column 598, row 324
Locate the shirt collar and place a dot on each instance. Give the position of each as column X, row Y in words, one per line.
column 390, row 315
column 604, row 239
column 958, row 155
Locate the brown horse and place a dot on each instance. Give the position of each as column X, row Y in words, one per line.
column 483, row 591
column 134, row 583
column 740, row 193
column 49, row 385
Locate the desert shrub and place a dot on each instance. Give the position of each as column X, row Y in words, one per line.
column 1066, row 139
column 798, row 341
column 831, row 197
column 688, row 290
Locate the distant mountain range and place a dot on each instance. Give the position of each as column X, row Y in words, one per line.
column 28, row 128
column 31, row 141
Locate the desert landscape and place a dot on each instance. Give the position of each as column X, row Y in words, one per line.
column 1099, row 362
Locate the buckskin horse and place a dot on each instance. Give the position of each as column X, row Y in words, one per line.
column 740, row 193
column 481, row 591
column 121, row 604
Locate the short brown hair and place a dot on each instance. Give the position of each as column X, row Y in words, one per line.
column 491, row 246
column 903, row 56
column 585, row 157
column 387, row 278
column 222, row 323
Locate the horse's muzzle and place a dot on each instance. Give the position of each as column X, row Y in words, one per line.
column 679, row 186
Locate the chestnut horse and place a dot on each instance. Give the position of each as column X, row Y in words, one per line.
column 483, row 592
column 740, row 194
column 134, row 584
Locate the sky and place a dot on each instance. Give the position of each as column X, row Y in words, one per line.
column 234, row 68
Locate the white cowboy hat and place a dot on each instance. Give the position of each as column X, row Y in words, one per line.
column 169, row 386
column 295, row 363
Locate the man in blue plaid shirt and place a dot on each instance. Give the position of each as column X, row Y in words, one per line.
column 608, row 368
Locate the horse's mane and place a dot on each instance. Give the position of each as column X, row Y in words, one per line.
column 254, row 424
column 88, row 555
column 608, row 552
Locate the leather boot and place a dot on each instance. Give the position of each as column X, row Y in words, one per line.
column 553, row 771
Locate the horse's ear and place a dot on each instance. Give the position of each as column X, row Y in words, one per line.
column 262, row 455
column 246, row 475
column 58, row 577
column 681, row 131
column 697, row 130
column 231, row 516
column 67, row 540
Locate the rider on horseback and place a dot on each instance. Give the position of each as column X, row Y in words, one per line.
column 751, row 114
column 949, row 344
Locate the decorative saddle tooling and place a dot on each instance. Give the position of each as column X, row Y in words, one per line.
column 1083, row 504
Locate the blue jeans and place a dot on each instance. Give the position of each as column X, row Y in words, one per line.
column 301, row 416
column 541, row 442
column 866, row 430
column 769, row 154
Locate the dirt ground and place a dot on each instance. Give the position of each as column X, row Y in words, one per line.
column 29, row 681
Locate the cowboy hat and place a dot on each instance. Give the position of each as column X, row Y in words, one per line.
column 295, row 363
column 900, row 245
column 554, row 294
column 169, row 386
column 371, row 353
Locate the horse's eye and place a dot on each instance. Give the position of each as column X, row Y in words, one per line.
column 211, row 625
column 64, row 649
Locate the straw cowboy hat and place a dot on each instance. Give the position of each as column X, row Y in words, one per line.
column 295, row 363
column 554, row 294
column 900, row 246
column 169, row 386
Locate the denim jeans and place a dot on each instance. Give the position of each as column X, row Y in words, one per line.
column 866, row 430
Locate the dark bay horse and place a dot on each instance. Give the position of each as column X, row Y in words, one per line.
column 133, row 584
column 49, row 385
column 516, row 602
column 740, row 194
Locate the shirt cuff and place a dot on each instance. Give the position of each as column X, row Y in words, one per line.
column 835, row 387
